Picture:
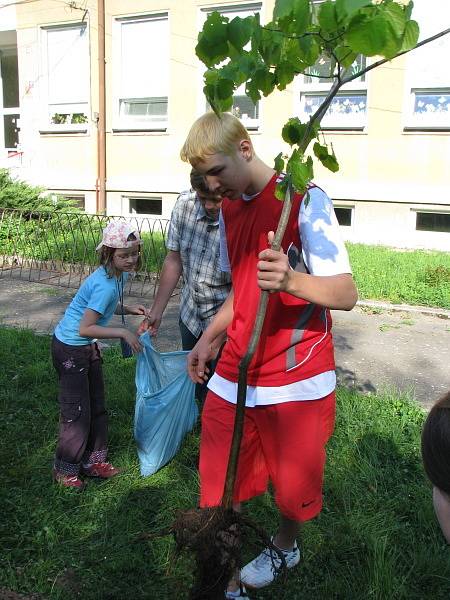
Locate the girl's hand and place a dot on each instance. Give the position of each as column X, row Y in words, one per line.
column 137, row 309
column 132, row 339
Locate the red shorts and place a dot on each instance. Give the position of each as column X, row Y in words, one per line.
column 281, row 442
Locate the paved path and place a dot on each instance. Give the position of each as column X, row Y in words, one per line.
column 376, row 347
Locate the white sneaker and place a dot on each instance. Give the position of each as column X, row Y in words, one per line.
column 266, row 567
column 240, row 593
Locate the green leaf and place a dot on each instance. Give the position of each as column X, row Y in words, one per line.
column 215, row 28
column 252, row 91
column 328, row 160
column 300, row 170
column 240, row 31
column 408, row 10
column 396, row 17
column 284, row 74
column 410, row 36
column 218, row 104
column 211, row 54
column 270, row 45
column 279, row 163
column 283, row 8
column 327, row 16
column 347, row 8
column 367, row 35
column 292, row 16
column 309, row 49
column 293, row 131
column 280, row 189
column 345, row 56
column 211, row 76
column 224, row 89
column 264, row 80
column 212, row 45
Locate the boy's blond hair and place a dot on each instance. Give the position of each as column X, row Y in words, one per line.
column 211, row 134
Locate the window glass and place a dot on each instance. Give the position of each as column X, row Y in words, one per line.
column 346, row 111
column 10, row 77
column 11, row 131
column 431, row 221
column 146, row 206
column 67, row 54
column 144, row 70
column 344, row 216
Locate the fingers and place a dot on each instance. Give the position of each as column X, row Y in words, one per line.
column 135, row 344
column 273, row 275
column 270, row 237
column 197, row 369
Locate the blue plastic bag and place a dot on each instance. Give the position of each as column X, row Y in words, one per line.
column 165, row 406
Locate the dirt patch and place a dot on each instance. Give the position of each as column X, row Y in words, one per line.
column 11, row 595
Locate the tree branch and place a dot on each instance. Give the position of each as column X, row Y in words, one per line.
column 385, row 60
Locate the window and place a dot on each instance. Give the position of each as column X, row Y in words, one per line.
column 78, row 200
column 243, row 107
column 348, row 109
column 142, row 70
column 433, row 221
column 428, row 71
column 9, row 100
column 145, row 206
column 344, row 215
column 66, row 68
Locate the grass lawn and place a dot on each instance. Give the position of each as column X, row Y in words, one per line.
column 401, row 276
column 376, row 538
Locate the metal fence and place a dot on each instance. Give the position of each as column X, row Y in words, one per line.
column 58, row 248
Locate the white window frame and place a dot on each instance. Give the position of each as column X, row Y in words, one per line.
column 332, row 121
column 351, row 208
column 247, row 9
column 436, row 83
column 122, row 122
column 438, row 211
column 66, row 108
column 126, row 205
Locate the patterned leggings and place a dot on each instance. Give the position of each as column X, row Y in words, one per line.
column 83, row 423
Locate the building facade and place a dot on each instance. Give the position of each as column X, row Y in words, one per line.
column 390, row 130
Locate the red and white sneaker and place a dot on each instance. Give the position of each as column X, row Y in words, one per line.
column 68, row 481
column 102, row 470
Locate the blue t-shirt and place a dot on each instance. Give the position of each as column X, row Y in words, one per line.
column 98, row 292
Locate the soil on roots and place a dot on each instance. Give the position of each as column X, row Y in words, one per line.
column 214, row 536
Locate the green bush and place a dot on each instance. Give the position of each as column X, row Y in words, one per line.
column 18, row 194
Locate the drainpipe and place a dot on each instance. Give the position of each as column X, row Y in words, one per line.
column 101, row 123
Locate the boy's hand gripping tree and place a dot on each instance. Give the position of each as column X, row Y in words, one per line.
column 265, row 58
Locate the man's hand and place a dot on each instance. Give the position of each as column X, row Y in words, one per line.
column 151, row 323
column 203, row 352
column 273, row 269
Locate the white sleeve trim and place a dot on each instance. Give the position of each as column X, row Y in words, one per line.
column 323, row 248
column 224, row 259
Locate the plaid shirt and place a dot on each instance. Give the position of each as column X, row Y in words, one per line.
column 195, row 236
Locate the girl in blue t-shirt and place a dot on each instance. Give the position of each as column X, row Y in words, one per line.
column 83, row 427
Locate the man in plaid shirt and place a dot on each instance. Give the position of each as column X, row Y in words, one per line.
column 193, row 251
